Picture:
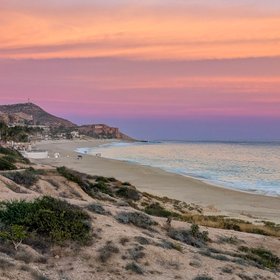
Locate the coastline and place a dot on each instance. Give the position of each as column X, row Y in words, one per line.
column 216, row 200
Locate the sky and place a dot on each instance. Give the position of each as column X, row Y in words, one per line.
column 169, row 69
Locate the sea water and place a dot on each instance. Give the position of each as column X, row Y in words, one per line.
column 253, row 167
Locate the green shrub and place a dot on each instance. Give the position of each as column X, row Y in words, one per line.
column 128, row 193
column 13, row 155
column 51, row 218
column 136, row 218
column 6, row 165
column 16, row 234
column 230, row 240
column 102, row 187
column 81, row 180
column 26, row 178
column 155, row 209
column 101, row 179
column 71, row 175
column 261, row 256
column 193, row 237
column 6, row 151
column 10, row 158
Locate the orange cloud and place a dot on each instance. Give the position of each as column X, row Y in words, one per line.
column 137, row 32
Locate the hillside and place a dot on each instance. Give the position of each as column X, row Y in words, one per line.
column 101, row 228
column 29, row 113
column 36, row 114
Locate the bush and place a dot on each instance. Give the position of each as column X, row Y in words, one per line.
column 135, row 268
column 16, row 234
column 155, row 209
column 136, row 218
column 101, row 179
column 102, row 187
column 51, row 218
column 81, row 180
column 128, row 193
column 10, row 158
column 136, row 253
column 230, row 240
column 191, row 237
column 261, row 257
column 6, row 165
column 97, row 208
column 13, row 155
column 7, row 151
column 71, row 175
column 26, row 178
column 107, row 252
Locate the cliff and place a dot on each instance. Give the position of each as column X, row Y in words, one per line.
column 103, row 131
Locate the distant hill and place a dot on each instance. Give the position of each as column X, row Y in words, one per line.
column 102, row 131
column 29, row 113
column 34, row 113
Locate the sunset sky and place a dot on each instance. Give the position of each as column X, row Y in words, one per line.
column 172, row 69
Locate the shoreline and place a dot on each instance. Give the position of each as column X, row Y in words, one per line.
column 216, row 200
column 240, row 186
column 202, row 180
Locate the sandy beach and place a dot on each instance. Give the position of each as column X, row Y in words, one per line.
column 215, row 200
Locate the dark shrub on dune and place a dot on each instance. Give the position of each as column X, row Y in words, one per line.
column 12, row 155
column 193, row 237
column 53, row 219
column 136, row 218
column 26, row 178
column 128, row 193
column 6, row 165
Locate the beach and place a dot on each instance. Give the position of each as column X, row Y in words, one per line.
column 215, row 200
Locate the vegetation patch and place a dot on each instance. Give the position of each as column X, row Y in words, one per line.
column 193, row 237
column 102, row 187
column 262, row 257
column 232, row 224
column 83, row 181
column 215, row 254
column 136, row 252
column 155, row 209
column 229, row 240
column 128, row 193
column 136, row 218
column 26, row 178
column 47, row 217
column 13, row 156
column 142, row 240
column 107, row 251
column 71, row 175
column 6, row 165
column 135, row 268
column 97, row 208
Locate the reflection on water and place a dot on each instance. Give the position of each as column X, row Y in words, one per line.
column 253, row 167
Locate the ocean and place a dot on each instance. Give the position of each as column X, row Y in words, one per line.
column 246, row 166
